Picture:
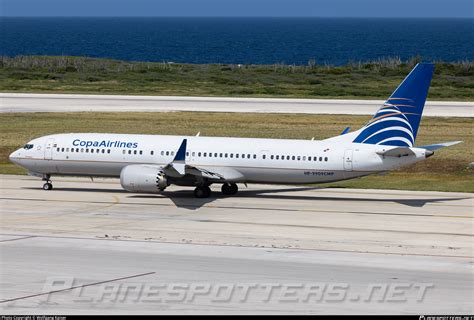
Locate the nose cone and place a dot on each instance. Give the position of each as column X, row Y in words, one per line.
column 14, row 156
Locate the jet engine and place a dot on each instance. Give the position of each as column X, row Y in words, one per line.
column 143, row 178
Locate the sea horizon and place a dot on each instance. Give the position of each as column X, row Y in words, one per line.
column 240, row 40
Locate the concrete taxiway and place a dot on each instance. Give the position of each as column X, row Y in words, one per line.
column 100, row 240
column 24, row 102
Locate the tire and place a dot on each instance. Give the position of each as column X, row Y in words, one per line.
column 233, row 188
column 226, row 189
column 202, row 192
column 47, row 186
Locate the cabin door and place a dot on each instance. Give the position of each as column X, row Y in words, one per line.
column 348, row 160
column 48, row 149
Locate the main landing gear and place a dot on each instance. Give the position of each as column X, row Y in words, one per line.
column 48, row 185
column 229, row 189
column 202, row 192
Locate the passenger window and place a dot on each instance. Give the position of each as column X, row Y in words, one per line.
column 304, row 158
column 134, row 151
column 108, row 150
column 152, row 152
column 298, row 158
column 320, row 158
column 226, row 155
column 172, row 153
column 87, row 150
column 199, row 154
column 293, row 158
column 237, row 155
column 57, row 149
column 141, row 151
column 82, row 149
column 248, row 156
column 167, row 153
column 263, row 157
column 129, row 151
column 287, row 157
column 204, row 154
column 326, row 159
column 231, row 155
column 220, row 155
column 162, row 153
column 210, row 154
column 215, row 154
column 72, row 149
column 187, row 153
column 309, row 158
column 124, row 151
column 277, row 157
column 255, row 156
column 62, row 149
column 243, row 156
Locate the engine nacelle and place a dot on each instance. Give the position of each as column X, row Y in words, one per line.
column 143, row 178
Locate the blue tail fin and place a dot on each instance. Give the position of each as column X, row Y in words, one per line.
column 397, row 122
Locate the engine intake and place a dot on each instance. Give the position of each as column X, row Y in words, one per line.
column 143, row 178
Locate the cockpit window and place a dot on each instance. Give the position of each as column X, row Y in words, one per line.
column 28, row 146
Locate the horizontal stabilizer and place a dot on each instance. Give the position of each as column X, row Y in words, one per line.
column 396, row 152
column 437, row 146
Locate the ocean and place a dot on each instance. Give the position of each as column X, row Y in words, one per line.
column 333, row 41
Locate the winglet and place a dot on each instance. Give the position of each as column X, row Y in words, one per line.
column 178, row 163
column 181, row 153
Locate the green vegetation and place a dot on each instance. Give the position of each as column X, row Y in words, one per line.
column 375, row 79
column 447, row 170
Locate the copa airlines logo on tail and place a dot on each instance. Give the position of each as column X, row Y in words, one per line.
column 105, row 144
column 397, row 122
column 390, row 125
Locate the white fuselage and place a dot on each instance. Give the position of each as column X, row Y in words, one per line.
column 257, row 160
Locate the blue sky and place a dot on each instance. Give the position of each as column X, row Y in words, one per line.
column 241, row 8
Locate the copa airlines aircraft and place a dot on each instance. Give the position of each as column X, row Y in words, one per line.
column 150, row 163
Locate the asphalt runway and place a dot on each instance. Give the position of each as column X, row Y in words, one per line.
column 25, row 102
column 90, row 247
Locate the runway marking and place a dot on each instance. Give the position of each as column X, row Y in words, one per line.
column 22, row 238
column 210, row 206
column 251, row 246
column 75, row 287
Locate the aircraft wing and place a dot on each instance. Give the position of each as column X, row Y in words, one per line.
column 178, row 168
column 215, row 173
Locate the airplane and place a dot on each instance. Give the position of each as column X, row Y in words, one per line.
column 150, row 163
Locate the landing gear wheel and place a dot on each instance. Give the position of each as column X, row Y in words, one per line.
column 229, row 189
column 47, row 186
column 202, row 192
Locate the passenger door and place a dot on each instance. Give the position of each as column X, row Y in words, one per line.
column 48, row 149
column 348, row 160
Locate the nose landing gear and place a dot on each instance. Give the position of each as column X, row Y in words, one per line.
column 48, row 185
